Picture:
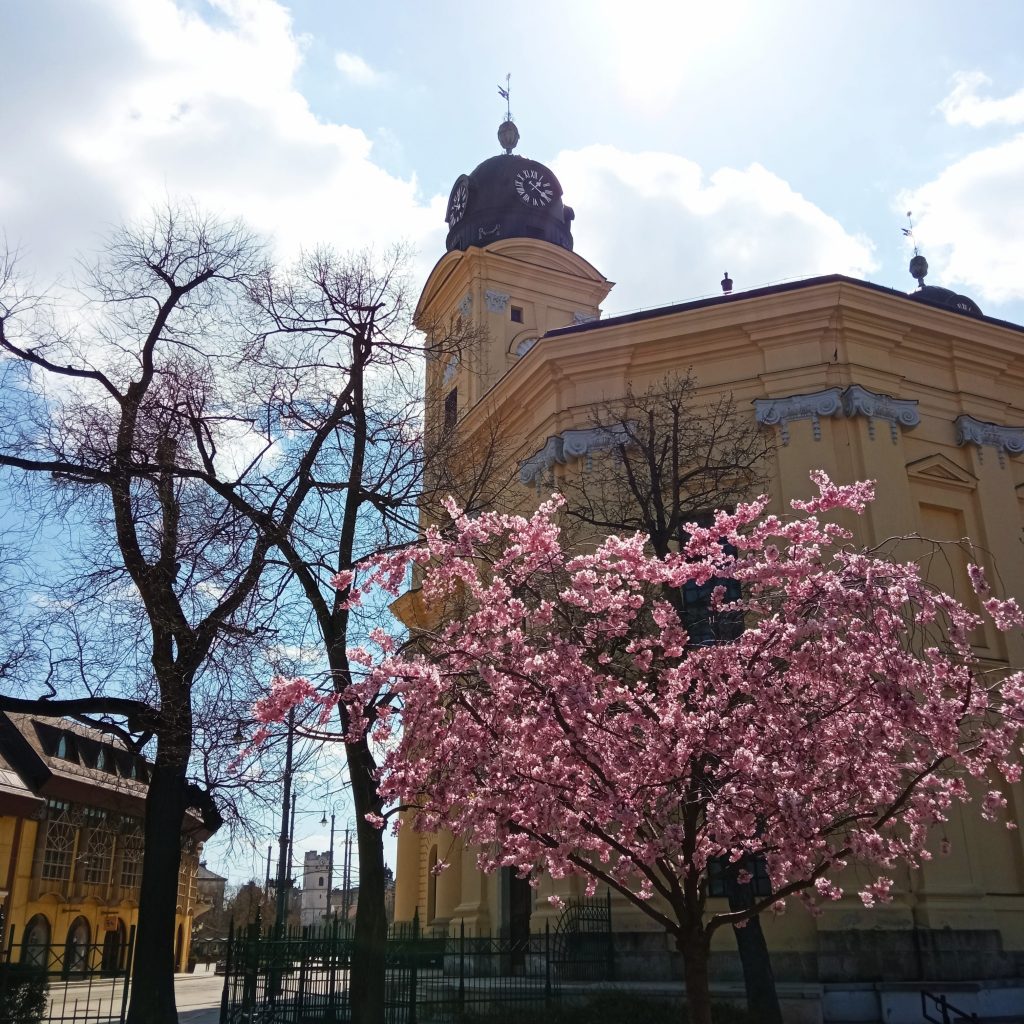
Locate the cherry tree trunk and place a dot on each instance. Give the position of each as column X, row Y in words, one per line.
column 369, row 942
column 695, row 950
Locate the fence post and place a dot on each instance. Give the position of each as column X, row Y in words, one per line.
column 414, row 960
column 332, row 959
column 547, row 966
column 7, row 964
column 227, row 972
column 611, row 937
column 462, row 969
column 128, row 965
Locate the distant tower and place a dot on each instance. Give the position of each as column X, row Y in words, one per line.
column 315, row 878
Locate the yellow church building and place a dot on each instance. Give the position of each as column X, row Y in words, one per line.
column 71, row 842
column 919, row 391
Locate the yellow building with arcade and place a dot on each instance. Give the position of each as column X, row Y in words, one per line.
column 71, row 842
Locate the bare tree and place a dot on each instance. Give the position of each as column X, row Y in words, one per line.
column 103, row 409
column 349, row 452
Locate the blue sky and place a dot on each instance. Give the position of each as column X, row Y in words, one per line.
column 774, row 140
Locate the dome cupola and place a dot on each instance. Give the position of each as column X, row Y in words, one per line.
column 507, row 196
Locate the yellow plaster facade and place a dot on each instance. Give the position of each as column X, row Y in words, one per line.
column 859, row 380
column 71, row 806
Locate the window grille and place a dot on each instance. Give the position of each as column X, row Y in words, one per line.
column 131, row 854
column 96, row 849
column 59, row 842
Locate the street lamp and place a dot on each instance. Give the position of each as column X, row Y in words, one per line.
column 284, row 839
column 330, row 864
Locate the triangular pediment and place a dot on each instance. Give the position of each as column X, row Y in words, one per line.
column 940, row 469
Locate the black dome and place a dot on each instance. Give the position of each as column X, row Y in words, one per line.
column 932, row 295
column 507, row 196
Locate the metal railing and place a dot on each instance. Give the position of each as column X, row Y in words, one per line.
column 950, row 1013
column 83, row 983
column 449, row 978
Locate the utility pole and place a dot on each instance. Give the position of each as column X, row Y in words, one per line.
column 330, row 868
column 348, row 876
column 284, row 839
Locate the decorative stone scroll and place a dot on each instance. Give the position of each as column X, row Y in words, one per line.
column 835, row 402
column 782, row 411
column 496, row 301
column 579, row 317
column 983, row 434
column 570, row 444
column 897, row 412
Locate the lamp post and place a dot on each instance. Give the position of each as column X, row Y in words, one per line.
column 330, row 864
column 283, row 866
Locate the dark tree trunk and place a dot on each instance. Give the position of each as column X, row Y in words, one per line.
column 367, row 980
column 695, row 950
column 758, row 978
column 152, row 992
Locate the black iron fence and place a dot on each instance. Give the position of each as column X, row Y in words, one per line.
column 74, row 983
column 431, row 978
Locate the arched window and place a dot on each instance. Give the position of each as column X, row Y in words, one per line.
column 431, row 884
column 76, row 949
column 35, row 950
column 321, row 881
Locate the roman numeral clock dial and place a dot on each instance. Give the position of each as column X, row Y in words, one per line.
column 533, row 188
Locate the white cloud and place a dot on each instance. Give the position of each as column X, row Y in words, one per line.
column 969, row 222
column 963, row 105
column 661, row 228
column 356, row 70
column 155, row 100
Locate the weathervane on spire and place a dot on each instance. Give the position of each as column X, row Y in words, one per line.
column 504, row 93
column 508, row 133
column 918, row 264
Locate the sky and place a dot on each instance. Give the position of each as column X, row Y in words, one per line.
column 772, row 140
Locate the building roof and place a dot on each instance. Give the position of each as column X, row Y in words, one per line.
column 60, row 759
column 204, row 874
column 774, row 289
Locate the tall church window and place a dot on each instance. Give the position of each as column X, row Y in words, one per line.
column 451, row 409
column 432, row 884
column 703, row 625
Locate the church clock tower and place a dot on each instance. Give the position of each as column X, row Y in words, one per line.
column 509, row 276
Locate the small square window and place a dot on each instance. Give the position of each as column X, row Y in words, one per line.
column 516, row 314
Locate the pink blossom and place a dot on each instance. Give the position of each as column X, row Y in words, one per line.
column 563, row 721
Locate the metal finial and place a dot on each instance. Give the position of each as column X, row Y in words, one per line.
column 918, row 264
column 508, row 136
column 727, row 283
column 508, row 133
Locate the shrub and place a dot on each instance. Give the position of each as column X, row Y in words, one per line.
column 22, row 994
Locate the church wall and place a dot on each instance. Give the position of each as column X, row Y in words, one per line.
column 797, row 342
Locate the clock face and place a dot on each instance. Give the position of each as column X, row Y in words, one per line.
column 533, row 188
column 457, row 203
